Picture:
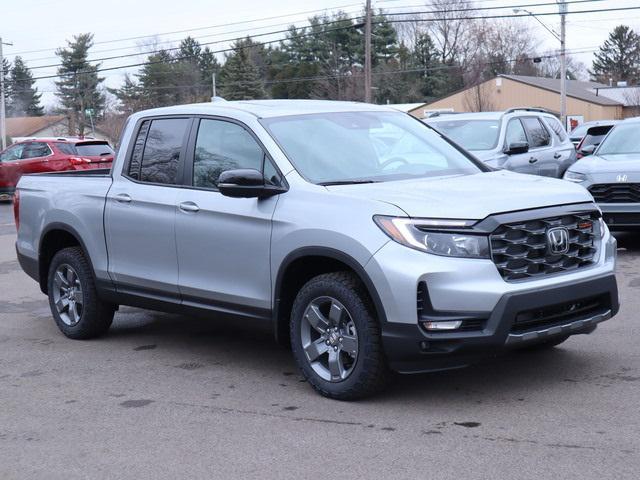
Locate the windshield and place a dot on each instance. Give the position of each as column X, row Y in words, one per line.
column 471, row 134
column 355, row 147
column 622, row 139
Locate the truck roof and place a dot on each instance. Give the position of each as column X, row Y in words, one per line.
column 268, row 108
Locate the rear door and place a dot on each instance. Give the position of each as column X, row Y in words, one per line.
column 140, row 210
column 541, row 147
column 519, row 162
column 10, row 165
column 224, row 243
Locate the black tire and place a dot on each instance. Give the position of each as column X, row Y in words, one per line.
column 96, row 315
column 369, row 373
column 544, row 344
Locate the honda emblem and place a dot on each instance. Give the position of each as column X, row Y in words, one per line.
column 558, row 240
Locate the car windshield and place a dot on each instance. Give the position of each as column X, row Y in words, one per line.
column 354, row 147
column 623, row 139
column 471, row 134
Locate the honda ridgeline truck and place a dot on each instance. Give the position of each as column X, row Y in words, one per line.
column 369, row 241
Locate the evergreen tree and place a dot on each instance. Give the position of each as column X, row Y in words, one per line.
column 25, row 99
column 156, row 79
column 130, row 95
column 78, row 87
column 6, row 70
column 434, row 78
column 619, row 57
column 240, row 77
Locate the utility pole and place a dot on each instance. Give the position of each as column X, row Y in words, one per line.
column 3, row 114
column 367, row 53
column 213, row 84
column 563, row 62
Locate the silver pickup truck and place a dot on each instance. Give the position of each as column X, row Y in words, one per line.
column 369, row 241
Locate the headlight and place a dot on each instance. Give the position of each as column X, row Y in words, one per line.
column 574, row 177
column 420, row 234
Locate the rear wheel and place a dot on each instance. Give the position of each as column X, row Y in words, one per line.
column 335, row 337
column 75, row 305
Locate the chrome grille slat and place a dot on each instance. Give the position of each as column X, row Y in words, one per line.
column 616, row 192
column 519, row 250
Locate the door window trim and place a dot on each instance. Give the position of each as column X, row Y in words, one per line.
column 183, row 151
column 191, row 147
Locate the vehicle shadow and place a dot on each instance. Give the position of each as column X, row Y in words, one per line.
column 250, row 348
column 628, row 240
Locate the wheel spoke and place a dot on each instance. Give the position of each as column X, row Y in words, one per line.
column 315, row 349
column 60, row 281
column 71, row 276
column 61, row 304
column 78, row 296
column 73, row 312
column 335, row 314
column 316, row 319
column 349, row 344
column 335, row 364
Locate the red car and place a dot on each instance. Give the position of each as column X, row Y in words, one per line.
column 39, row 155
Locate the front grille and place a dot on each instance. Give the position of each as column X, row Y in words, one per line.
column 616, row 192
column 561, row 314
column 521, row 251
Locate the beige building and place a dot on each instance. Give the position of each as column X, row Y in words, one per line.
column 586, row 99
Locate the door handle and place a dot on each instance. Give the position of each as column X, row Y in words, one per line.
column 533, row 160
column 189, row 207
column 557, row 156
column 122, row 198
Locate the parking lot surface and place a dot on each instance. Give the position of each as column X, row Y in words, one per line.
column 168, row 396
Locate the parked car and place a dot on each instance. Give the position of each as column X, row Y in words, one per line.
column 578, row 133
column 369, row 242
column 50, row 155
column 612, row 175
column 524, row 140
column 593, row 136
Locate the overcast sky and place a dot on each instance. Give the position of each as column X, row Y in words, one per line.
column 37, row 28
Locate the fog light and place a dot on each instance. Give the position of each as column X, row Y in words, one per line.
column 448, row 325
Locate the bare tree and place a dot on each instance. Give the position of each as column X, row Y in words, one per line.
column 478, row 98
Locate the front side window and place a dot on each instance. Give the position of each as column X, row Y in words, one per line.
column 471, row 134
column 36, row 150
column 622, row 140
column 538, row 135
column 515, row 132
column 12, row 153
column 222, row 146
column 351, row 147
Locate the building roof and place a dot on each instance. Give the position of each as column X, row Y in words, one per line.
column 28, row 126
column 627, row 96
column 575, row 88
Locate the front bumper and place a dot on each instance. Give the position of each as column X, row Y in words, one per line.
column 412, row 349
column 620, row 215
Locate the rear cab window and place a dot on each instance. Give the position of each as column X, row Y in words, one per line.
column 157, row 153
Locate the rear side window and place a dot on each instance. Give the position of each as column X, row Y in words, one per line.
column 222, row 146
column 538, row 135
column 557, row 128
column 138, row 148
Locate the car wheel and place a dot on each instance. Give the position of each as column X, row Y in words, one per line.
column 335, row 337
column 75, row 305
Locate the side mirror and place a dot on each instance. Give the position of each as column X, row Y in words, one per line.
column 588, row 150
column 246, row 183
column 516, row 147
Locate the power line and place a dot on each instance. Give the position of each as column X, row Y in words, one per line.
column 315, row 33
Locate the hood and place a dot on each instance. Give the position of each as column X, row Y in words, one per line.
column 470, row 196
column 485, row 155
column 625, row 163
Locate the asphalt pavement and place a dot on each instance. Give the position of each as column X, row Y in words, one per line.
column 170, row 397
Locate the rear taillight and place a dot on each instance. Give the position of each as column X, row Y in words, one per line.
column 16, row 208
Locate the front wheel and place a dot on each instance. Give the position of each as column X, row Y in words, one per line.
column 335, row 337
column 75, row 305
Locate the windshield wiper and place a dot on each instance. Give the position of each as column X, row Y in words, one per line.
column 345, row 182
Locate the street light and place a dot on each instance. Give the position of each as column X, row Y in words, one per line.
column 563, row 58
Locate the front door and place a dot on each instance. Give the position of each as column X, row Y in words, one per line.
column 519, row 162
column 224, row 243
column 141, row 212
